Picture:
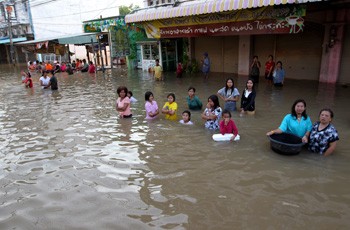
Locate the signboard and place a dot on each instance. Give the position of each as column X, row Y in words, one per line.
column 291, row 25
column 103, row 25
column 286, row 19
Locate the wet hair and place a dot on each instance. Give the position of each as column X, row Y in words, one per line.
column 215, row 100
column 129, row 92
column 191, row 87
column 226, row 112
column 122, row 88
column 189, row 114
column 327, row 110
column 171, row 94
column 148, row 94
column 280, row 63
column 293, row 108
column 233, row 85
column 253, row 88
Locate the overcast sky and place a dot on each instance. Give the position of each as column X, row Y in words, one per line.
column 65, row 17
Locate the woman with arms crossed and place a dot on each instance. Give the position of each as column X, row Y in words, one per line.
column 324, row 136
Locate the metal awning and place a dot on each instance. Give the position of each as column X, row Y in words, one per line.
column 79, row 39
column 202, row 7
column 14, row 40
column 76, row 39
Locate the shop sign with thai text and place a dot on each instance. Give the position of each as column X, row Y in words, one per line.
column 291, row 25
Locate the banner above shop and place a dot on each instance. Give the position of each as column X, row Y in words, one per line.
column 286, row 19
column 103, row 25
column 291, row 25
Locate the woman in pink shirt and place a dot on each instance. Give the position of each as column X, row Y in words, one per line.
column 63, row 67
column 92, row 68
column 123, row 102
column 151, row 106
column 227, row 125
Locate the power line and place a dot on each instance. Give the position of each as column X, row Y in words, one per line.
column 74, row 13
column 103, row 10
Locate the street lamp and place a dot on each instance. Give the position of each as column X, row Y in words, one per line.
column 9, row 11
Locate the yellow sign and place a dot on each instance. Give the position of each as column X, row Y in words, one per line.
column 152, row 28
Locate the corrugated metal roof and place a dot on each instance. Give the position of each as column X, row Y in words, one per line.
column 203, row 7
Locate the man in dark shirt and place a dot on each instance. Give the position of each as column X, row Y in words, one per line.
column 85, row 67
column 53, row 82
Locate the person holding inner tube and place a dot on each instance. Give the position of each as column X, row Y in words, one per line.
column 297, row 122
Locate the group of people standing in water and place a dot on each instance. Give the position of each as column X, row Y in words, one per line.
column 274, row 72
column 320, row 136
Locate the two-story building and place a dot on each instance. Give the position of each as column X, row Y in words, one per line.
column 15, row 20
column 310, row 37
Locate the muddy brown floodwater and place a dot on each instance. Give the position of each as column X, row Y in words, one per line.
column 68, row 162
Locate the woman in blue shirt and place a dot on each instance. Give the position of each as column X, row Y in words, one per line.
column 278, row 74
column 297, row 122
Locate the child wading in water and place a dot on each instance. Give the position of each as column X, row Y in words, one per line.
column 212, row 113
column 151, row 106
column 158, row 71
column 123, row 103
column 227, row 125
column 170, row 107
column 186, row 118
column 28, row 81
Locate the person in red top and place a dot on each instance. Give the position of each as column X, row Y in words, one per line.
column 227, row 125
column 269, row 67
column 179, row 70
column 28, row 82
column 92, row 68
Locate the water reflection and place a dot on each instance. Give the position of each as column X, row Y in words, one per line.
column 67, row 159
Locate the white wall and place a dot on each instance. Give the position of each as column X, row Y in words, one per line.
column 60, row 18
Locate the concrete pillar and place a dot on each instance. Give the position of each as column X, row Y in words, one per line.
column 7, row 54
column 244, row 50
column 332, row 47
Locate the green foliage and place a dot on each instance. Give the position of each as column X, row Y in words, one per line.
column 124, row 10
column 194, row 65
column 135, row 36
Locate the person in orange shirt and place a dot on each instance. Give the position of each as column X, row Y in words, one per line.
column 31, row 66
column 48, row 66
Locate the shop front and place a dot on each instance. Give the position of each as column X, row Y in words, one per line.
column 232, row 34
column 165, row 50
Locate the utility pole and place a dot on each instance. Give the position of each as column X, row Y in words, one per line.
column 9, row 10
column 93, row 51
column 99, row 37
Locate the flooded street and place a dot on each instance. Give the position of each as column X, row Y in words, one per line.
column 68, row 161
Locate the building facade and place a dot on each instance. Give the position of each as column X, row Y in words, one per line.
column 310, row 37
column 15, row 26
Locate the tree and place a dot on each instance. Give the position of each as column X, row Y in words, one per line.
column 124, row 10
